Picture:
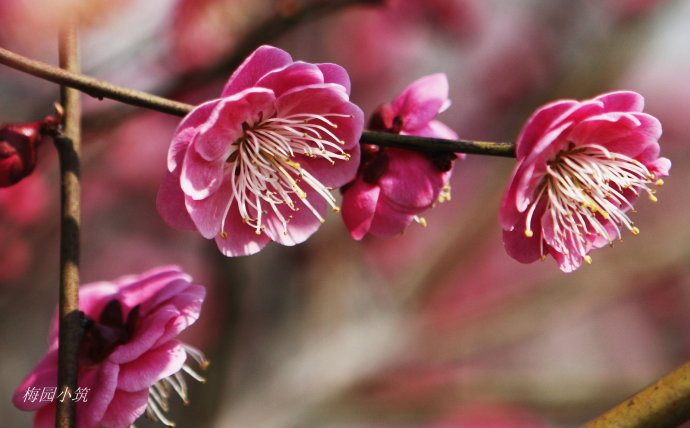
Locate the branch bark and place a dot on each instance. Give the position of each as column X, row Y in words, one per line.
column 68, row 146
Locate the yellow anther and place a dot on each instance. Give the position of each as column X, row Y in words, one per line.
column 635, row 230
column 422, row 221
column 223, row 234
column 336, row 209
column 659, row 182
column 587, row 259
column 652, row 198
column 529, row 233
column 258, row 231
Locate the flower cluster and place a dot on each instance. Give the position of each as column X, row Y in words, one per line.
column 129, row 359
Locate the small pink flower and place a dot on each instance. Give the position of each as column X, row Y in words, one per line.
column 130, row 360
column 580, row 166
column 393, row 186
column 258, row 164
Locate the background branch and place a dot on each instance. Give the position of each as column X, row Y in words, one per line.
column 664, row 404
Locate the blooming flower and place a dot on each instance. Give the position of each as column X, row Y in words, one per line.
column 129, row 359
column 580, row 166
column 258, row 163
column 393, row 186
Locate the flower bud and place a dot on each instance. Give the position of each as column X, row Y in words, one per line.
column 18, row 147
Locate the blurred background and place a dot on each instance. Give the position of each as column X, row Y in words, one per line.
column 435, row 328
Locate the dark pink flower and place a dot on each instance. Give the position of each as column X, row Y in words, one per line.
column 18, row 149
column 130, row 360
column 393, row 186
column 580, row 166
column 258, row 164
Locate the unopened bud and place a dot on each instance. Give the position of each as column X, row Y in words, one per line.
column 18, row 147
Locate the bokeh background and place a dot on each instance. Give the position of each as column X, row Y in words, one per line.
column 433, row 328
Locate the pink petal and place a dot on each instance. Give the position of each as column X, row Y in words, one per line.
column 261, row 61
column 412, row 182
column 223, row 125
column 102, row 382
column 152, row 366
column 208, row 213
column 314, row 99
column 519, row 246
column 151, row 288
column 359, row 205
column 537, row 125
column 241, row 239
column 170, row 203
column 303, row 222
column 188, row 305
column 43, row 375
column 621, row 101
column 291, row 76
column 125, row 408
column 147, row 332
column 388, row 220
column 436, row 129
column 200, row 178
column 421, row 101
column 185, row 131
column 333, row 73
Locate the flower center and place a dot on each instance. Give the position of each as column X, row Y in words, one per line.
column 587, row 191
column 266, row 177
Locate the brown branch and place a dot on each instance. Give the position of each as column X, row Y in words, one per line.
column 89, row 85
column 68, row 146
column 101, row 89
column 664, row 404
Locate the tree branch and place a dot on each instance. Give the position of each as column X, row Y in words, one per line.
column 101, row 89
column 664, row 404
column 68, row 146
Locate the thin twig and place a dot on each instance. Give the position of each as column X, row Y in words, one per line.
column 438, row 145
column 68, row 146
column 101, row 89
column 89, row 85
column 664, row 404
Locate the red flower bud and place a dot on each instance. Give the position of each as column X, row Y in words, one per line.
column 18, row 147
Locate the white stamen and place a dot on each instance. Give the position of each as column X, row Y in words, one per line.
column 266, row 178
column 584, row 189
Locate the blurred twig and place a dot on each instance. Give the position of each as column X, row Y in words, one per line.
column 288, row 15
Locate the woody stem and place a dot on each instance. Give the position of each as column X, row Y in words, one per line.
column 100, row 89
column 68, row 146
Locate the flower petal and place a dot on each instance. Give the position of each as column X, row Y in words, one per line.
column 421, row 101
column 359, row 206
column 125, row 408
column 241, row 239
column 170, row 203
column 152, row 366
column 291, row 76
column 261, row 61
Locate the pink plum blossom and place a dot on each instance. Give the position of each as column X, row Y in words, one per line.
column 258, row 164
column 580, row 166
column 129, row 359
column 393, row 186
